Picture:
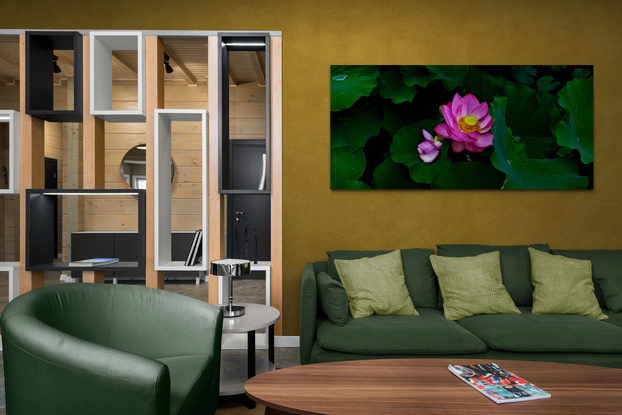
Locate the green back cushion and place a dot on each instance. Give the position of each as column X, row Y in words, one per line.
column 563, row 286
column 515, row 266
column 332, row 298
column 472, row 285
column 376, row 285
column 418, row 272
column 606, row 274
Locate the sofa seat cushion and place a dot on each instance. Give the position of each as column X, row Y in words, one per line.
column 429, row 333
column 527, row 332
column 614, row 318
column 189, row 380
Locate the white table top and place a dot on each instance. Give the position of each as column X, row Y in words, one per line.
column 257, row 316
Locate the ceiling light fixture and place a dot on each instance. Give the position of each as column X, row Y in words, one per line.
column 245, row 44
column 167, row 66
column 56, row 67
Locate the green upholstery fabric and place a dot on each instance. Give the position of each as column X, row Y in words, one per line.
column 614, row 318
column 332, row 298
column 563, row 286
column 472, row 285
column 308, row 310
column 515, row 266
column 432, row 334
column 418, row 273
column 376, row 285
column 606, row 273
column 110, row 349
column 539, row 333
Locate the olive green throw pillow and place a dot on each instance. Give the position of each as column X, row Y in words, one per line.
column 563, row 286
column 376, row 285
column 472, row 285
column 332, row 298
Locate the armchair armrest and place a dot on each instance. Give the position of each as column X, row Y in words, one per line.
column 74, row 376
column 308, row 312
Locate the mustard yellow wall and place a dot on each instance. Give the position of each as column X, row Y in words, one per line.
column 318, row 33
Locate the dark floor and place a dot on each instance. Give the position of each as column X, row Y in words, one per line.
column 245, row 291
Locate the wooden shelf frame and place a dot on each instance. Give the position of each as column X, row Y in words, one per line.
column 12, row 118
column 163, row 119
column 103, row 45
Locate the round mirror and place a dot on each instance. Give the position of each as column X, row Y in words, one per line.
column 134, row 168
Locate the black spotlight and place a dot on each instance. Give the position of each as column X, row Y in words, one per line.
column 167, row 66
column 56, row 67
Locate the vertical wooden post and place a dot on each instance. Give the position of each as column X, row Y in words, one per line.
column 216, row 209
column 276, row 177
column 93, row 145
column 31, row 174
column 154, row 98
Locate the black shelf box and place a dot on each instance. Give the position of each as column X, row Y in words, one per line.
column 40, row 230
column 40, row 47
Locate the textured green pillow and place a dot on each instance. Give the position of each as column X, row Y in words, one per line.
column 472, row 285
column 332, row 298
column 563, row 286
column 376, row 285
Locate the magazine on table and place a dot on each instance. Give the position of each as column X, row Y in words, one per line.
column 93, row 262
column 497, row 384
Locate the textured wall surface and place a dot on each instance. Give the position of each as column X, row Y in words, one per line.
column 319, row 33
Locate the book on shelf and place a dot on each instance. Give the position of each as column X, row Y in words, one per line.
column 93, row 262
column 497, row 384
column 193, row 256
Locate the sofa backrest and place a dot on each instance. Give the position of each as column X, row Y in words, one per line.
column 515, row 266
column 418, row 272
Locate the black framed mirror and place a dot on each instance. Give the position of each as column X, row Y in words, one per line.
column 133, row 168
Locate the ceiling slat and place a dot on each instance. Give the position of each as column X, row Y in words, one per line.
column 185, row 72
column 124, row 63
column 261, row 77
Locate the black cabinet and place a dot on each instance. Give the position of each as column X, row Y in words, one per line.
column 40, row 62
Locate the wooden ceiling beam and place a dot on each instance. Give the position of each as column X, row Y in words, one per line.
column 185, row 72
column 261, row 76
column 6, row 79
column 124, row 63
column 64, row 56
column 9, row 57
column 232, row 81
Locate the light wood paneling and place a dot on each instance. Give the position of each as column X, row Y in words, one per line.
column 31, row 154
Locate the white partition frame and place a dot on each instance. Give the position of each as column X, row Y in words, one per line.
column 12, row 117
column 162, row 213
column 102, row 46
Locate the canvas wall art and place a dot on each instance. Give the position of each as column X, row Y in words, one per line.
column 462, row 127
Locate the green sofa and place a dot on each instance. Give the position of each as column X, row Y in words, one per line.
column 110, row 349
column 526, row 336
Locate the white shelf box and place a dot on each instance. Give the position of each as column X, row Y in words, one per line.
column 103, row 44
column 11, row 185
column 162, row 186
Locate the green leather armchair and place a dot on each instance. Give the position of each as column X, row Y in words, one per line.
column 110, row 349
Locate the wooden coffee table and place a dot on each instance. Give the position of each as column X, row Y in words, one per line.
column 425, row 386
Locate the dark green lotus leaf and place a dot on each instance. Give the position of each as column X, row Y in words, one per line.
column 483, row 85
column 577, row 131
column 404, row 151
column 464, row 175
column 549, row 102
column 523, row 172
column 346, row 163
column 547, row 83
column 392, row 87
column 354, row 126
column 415, row 75
column 396, row 116
column 349, row 83
column 581, row 73
column 391, row 175
column 525, row 74
column 452, row 76
column 345, row 184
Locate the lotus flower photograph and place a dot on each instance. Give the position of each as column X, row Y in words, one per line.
column 462, row 127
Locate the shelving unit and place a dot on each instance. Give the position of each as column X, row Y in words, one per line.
column 162, row 185
column 12, row 118
column 103, row 46
column 40, row 47
column 40, row 231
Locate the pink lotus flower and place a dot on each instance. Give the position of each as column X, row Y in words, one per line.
column 430, row 148
column 466, row 124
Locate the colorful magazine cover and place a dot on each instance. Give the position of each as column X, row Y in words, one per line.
column 497, row 384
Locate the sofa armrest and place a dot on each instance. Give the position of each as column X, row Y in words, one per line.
column 308, row 312
column 73, row 376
